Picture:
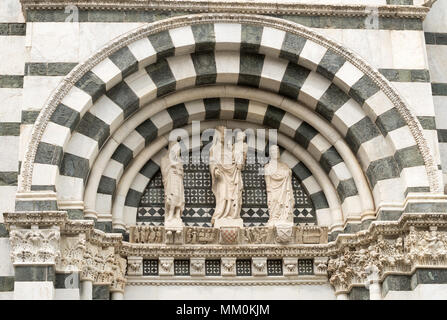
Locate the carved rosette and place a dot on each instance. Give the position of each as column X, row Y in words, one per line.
column 34, row 246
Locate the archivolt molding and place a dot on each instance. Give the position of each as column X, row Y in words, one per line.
column 80, row 70
column 252, row 94
column 237, row 6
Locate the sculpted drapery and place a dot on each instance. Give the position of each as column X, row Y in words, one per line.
column 226, row 164
column 172, row 172
column 280, row 199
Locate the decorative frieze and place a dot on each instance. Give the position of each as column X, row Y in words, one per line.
column 218, row 6
column 281, row 234
column 146, row 234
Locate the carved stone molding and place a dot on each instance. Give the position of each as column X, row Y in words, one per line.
column 228, row 266
column 238, row 6
column 258, row 281
column 26, row 219
column 135, row 266
column 166, row 266
column 34, row 246
column 259, row 266
column 119, row 274
column 171, row 23
column 290, row 266
column 320, row 266
column 197, row 266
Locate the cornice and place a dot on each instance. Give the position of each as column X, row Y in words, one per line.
column 222, row 281
column 27, row 219
column 361, row 238
column 238, row 6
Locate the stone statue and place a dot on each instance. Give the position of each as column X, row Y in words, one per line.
column 280, row 199
column 172, row 173
column 226, row 163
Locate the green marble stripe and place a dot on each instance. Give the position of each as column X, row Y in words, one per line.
column 48, row 69
column 428, row 276
column 400, row 2
column 436, row 38
column 406, row 75
column 334, row 22
column 12, row 29
column 29, row 116
column 439, row 89
column 6, row 283
column 8, row 178
column 9, row 128
column 11, row 81
column 3, row 231
column 396, row 282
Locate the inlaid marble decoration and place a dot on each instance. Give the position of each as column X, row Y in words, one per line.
column 200, row 201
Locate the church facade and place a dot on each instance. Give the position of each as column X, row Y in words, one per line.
column 223, row 149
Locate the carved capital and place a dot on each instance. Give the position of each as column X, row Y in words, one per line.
column 34, row 246
column 72, row 254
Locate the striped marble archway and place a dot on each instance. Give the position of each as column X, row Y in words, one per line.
column 152, row 67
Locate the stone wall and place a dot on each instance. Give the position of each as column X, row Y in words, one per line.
column 38, row 50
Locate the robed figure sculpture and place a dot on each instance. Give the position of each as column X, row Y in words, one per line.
column 172, row 173
column 226, row 164
column 280, row 198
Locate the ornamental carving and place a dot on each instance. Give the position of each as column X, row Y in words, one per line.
column 257, row 235
column 72, row 254
column 146, row 234
column 105, row 261
column 119, row 274
column 198, row 235
column 427, row 247
column 311, row 234
column 34, row 246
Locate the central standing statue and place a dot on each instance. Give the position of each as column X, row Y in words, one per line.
column 226, row 164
